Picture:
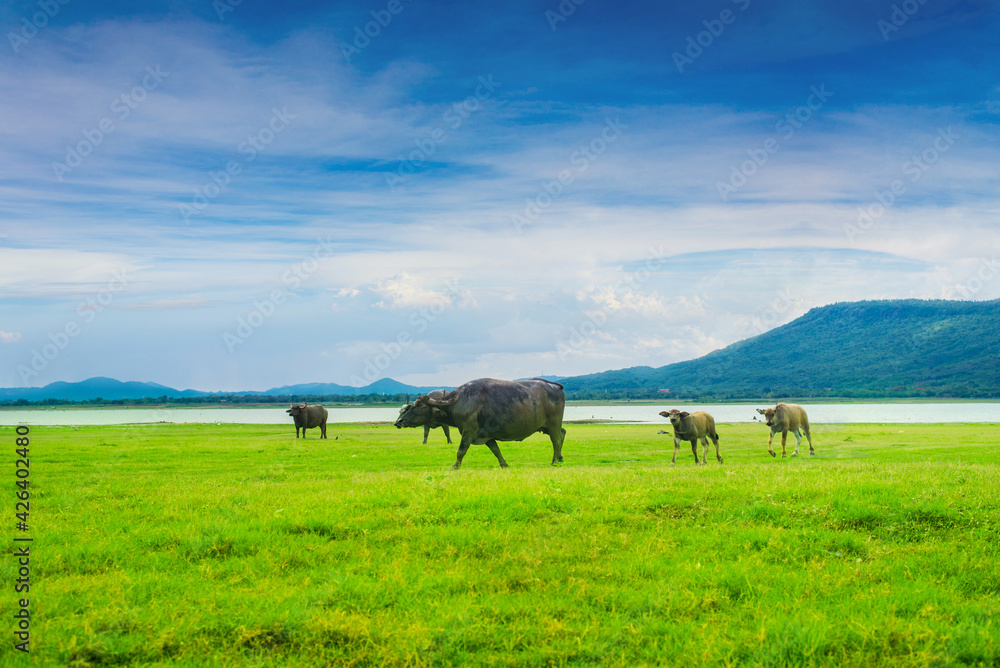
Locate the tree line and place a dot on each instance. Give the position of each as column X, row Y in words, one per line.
column 699, row 395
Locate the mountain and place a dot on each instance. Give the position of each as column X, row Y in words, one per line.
column 92, row 388
column 116, row 390
column 871, row 348
column 381, row 386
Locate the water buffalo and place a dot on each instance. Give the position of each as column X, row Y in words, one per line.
column 307, row 417
column 487, row 410
column 438, row 418
column 787, row 418
column 691, row 427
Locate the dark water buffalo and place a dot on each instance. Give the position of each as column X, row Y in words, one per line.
column 787, row 418
column 691, row 427
column 437, row 416
column 487, row 410
column 307, row 417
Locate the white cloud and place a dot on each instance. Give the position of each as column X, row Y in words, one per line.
column 650, row 305
column 55, row 271
column 9, row 337
column 407, row 291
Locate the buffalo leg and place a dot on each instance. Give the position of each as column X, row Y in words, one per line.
column 769, row 448
column 694, row 449
column 557, row 438
column 798, row 441
column 447, row 434
column 715, row 440
column 322, row 429
column 677, row 445
column 495, row 449
column 784, row 437
column 427, row 430
column 704, row 454
column 805, row 428
column 463, row 447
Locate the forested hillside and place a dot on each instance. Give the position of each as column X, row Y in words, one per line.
column 859, row 349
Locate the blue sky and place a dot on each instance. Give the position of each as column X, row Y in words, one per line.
column 240, row 195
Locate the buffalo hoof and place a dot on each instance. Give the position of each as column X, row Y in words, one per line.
column 795, row 454
column 773, row 455
column 812, row 454
column 782, row 455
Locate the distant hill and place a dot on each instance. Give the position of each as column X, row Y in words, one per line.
column 92, row 388
column 116, row 390
column 871, row 348
column 381, row 386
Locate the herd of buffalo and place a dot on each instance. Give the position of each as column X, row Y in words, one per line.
column 486, row 410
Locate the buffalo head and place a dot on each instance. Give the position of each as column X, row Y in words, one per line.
column 675, row 416
column 402, row 412
column 768, row 414
column 425, row 409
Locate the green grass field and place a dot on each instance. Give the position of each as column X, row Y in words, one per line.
column 240, row 545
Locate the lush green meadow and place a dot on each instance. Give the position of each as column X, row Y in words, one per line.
column 240, row 545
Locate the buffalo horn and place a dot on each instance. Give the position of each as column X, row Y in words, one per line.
column 438, row 403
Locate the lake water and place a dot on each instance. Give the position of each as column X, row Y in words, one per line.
column 648, row 414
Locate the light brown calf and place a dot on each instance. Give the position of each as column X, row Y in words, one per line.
column 787, row 418
column 691, row 427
